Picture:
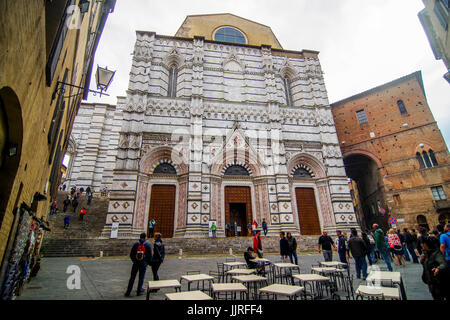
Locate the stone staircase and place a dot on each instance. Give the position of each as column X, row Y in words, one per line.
column 82, row 238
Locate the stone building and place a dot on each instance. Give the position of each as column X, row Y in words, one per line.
column 435, row 18
column 44, row 44
column 220, row 123
column 395, row 152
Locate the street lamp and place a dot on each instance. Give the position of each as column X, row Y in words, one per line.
column 84, row 6
column 104, row 78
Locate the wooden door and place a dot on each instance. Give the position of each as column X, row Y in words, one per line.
column 307, row 211
column 239, row 195
column 162, row 209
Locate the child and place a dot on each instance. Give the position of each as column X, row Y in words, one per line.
column 66, row 222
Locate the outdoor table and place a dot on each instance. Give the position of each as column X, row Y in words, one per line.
column 313, row 280
column 197, row 278
column 252, row 281
column 233, row 288
column 282, row 290
column 391, row 293
column 188, row 295
column 335, row 274
column 160, row 284
column 231, row 265
column 324, row 270
column 283, row 266
column 333, row 264
column 266, row 261
column 396, row 278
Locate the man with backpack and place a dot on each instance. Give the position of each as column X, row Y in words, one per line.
column 141, row 255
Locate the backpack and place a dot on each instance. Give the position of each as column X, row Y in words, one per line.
column 140, row 252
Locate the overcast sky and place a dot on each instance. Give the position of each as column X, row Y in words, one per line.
column 362, row 44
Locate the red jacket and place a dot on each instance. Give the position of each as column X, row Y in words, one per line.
column 83, row 211
column 257, row 244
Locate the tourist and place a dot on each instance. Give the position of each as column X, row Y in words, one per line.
column 140, row 255
column 53, row 208
column 381, row 245
column 227, row 229
column 257, row 244
column 213, row 229
column 292, row 248
column 445, row 245
column 88, row 190
column 248, row 256
column 284, row 247
column 403, row 242
column 159, row 253
column 64, row 187
column 254, row 227
column 409, row 244
column 66, row 203
column 422, row 234
column 341, row 247
column 74, row 204
column 369, row 246
column 376, row 253
column 249, row 228
column 326, row 242
column 396, row 247
column 264, row 226
column 66, row 222
column 415, row 240
column 434, row 266
column 151, row 227
column 82, row 213
column 358, row 249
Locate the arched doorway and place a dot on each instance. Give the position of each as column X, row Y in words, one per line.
column 365, row 171
column 11, row 132
column 162, row 202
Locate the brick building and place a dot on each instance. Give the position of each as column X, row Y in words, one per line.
column 47, row 58
column 395, row 152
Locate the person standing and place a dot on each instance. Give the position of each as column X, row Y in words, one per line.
column 159, row 253
column 66, row 203
column 213, row 229
column 415, row 240
column 53, row 208
column 254, row 227
column 66, row 222
column 292, row 248
column 82, row 213
column 140, row 255
column 227, row 229
column 369, row 246
column 74, row 204
column 257, row 244
column 341, row 247
column 264, row 226
column 358, row 249
column 326, row 242
column 396, row 247
column 284, row 247
column 444, row 247
column 403, row 241
column 434, row 267
column 380, row 244
column 151, row 227
column 409, row 244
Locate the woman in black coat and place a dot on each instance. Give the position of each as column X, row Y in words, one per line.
column 158, row 255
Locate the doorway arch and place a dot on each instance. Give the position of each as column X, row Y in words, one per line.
column 11, row 129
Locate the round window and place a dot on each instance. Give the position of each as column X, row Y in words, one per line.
column 228, row 34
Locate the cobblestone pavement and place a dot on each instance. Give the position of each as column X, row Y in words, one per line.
column 107, row 278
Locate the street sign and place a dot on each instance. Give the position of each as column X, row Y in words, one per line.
column 392, row 220
column 400, row 220
column 382, row 211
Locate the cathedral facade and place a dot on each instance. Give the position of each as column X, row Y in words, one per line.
column 220, row 123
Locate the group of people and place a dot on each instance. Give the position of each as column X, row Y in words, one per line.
column 251, row 227
column 431, row 250
column 72, row 199
column 142, row 255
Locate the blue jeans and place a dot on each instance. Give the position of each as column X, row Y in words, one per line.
column 405, row 253
column 413, row 254
column 137, row 267
column 293, row 253
column 342, row 256
column 360, row 265
column 214, row 233
column 384, row 255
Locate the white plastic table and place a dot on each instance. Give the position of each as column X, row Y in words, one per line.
column 188, row 295
column 390, row 293
column 161, row 284
column 396, row 278
column 284, row 270
column 252, row 281
column 313, row 280
column 226, row 288
column 282, row 290
column 197, row 278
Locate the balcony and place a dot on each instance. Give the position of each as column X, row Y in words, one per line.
column 441, row 205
